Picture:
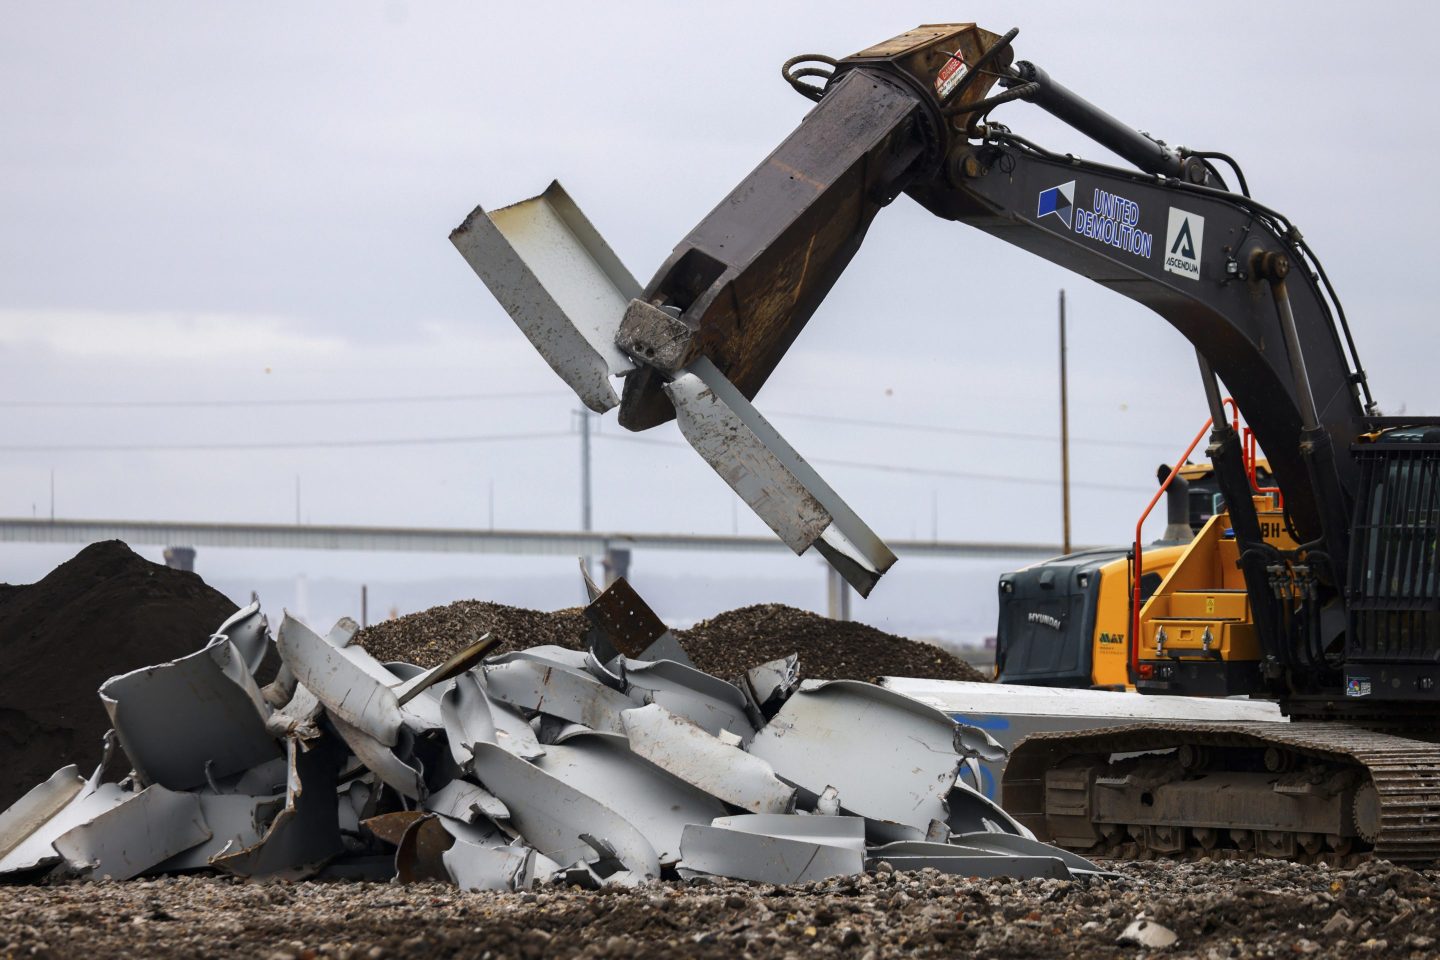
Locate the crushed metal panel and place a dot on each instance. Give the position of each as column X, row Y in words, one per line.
column 234, row 821
column 971, row 811
column 551, row 815
column 837, row 831
column 470, row 717
column 704, row 700
column 304, row 835
column 964, row 861
column 467, row 802
column 1008, row 843
column 772, row 478
column 134, row 836
column 39, row 804
column 561, row 284
column 767, row 858
column 477, row 866
column 345, row 683
column 390, row 764
column 656, row 802
column 223, row 713
column 248, row 630
column 568, row 694
column 900, row 756
column 686, row 751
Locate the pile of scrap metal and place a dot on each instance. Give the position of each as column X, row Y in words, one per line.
column 611, row 765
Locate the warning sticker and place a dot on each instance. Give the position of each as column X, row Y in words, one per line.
column 1182, row 243
column 950, row 76
column 1357, row 687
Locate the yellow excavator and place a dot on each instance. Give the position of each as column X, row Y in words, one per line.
column 1064, row 622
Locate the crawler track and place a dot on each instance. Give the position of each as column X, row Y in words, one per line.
column 1404, row 773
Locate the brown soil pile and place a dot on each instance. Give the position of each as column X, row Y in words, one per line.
column 1217, row 909
column 106, row 611
column 730, row 643
column 726, row 645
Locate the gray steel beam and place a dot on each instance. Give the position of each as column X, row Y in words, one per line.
column 283, row 536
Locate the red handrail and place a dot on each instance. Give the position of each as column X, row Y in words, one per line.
column 1140, row 549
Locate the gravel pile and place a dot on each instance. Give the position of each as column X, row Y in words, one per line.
column 726, row 645
column 1218, row 909
column 730, row 643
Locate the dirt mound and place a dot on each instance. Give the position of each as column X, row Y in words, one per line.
column 732, row 642
column 429, row 636
column 104, row 612
column 726, row 645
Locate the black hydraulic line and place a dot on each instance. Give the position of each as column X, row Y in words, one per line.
column 1067, row 105
column 1226, row 159
column 794, row 77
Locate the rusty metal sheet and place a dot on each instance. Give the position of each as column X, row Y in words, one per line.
column 391, row 827
column 772, row 478
column 569, row 694
column 133, row 836
column 224, row 717
column 634, row 629
column 901, row 756
column 561, row 284
column 552, row 815
column 417, row 857
column 707, row 763
column 658, row 803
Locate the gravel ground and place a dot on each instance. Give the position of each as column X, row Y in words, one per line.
column 726, row 645
column 1219, row 909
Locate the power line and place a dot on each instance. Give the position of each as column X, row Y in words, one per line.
column 963, row 431
column 916, row 471
column 277, row 444
column 280, row 402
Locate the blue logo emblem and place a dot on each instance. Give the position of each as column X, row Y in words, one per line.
column 1057, row 201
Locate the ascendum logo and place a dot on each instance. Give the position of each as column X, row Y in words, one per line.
column 1057, row 201
column 1182, row 243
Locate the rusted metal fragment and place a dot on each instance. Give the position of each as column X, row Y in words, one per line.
column 234, row 821
column 561, row 284
column 417, row 857
column 464, row 801
column 632, row 628
column 901, row 756
column 455, row 664
column 707, row 763
column 708, row 702
column 306, row 833
column 347, row 684
column 775, row 848
column 962, row 861
column 656, row 802
column 551, row 815
column 569, row 694
column 775, row 481
column 391, row 827
column 135, row 835
column 223, row 729
column 480, row 866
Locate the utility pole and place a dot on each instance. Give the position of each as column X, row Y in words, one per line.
column 297, row 499
column 585, row 517
column 52, row 494
column 1064, row 433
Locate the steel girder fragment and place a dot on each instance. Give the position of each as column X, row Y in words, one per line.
column 771, row 477
column 561, row 284
column 708, row 763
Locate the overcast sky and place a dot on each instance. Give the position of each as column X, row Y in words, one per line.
column 205, row 202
